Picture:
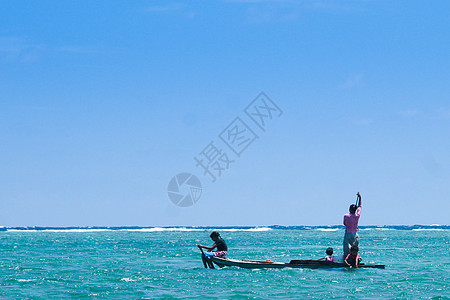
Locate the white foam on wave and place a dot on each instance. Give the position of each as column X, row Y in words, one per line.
column 427, row 229
column 154, row 229
column 161, row 229
column 328, row 229
column 26, row 280
column 74, row 230
column 80, row 230
column 257, row 229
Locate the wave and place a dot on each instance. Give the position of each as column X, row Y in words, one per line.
column 81, row 230
column 218, row 228
column 160, row 229
column 376, row 228
column 257, row 229
column 131, row 229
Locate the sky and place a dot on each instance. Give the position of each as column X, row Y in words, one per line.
column 103, row 103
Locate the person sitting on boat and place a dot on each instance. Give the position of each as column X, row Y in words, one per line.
column 353, row 258
column 329, row 256
column 351, row 220
column 219, row 243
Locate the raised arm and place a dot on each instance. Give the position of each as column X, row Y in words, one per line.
column 358, row 202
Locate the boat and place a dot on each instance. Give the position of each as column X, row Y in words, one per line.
column 298, row 263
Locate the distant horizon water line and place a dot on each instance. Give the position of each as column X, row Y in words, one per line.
column 260, row 228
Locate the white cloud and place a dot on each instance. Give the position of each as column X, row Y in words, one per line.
column 165, row 8
column 77, row 49
column 17, row 49
column 346, row 6
column 408, row 113
column 351, row 82
column 262, row 1
column 180, row 8
column 364, row 121
column 444, row 112
column 265, row 14
column 433, row 166
column 337, row 6
column 268, row 11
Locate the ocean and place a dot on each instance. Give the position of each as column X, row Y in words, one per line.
column 164, row 263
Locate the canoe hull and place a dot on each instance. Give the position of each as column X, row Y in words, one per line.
column 304, row 263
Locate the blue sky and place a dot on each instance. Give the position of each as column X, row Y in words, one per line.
column 103, row 102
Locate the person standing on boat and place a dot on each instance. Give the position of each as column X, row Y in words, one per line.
column 219, row 243
column 351, row 220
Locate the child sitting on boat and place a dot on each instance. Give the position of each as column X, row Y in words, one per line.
column 353, row 258
column 219, row 243
column 329, row 256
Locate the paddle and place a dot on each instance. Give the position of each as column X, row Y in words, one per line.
column 205, row 260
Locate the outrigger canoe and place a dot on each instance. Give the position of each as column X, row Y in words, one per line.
column 299, row 263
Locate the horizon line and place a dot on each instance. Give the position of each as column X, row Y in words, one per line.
column 212, row 226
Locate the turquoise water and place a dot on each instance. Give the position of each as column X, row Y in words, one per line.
column 149, row 263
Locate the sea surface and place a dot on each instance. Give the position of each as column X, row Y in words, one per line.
column 156, row 262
